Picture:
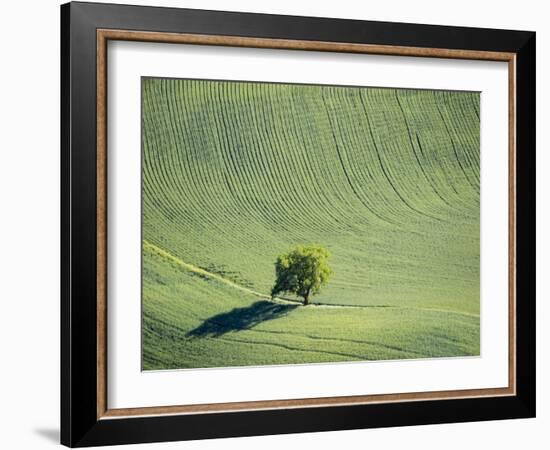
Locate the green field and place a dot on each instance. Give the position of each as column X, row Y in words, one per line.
column 235, row 173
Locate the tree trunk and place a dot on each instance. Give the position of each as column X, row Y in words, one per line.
column 306, row 298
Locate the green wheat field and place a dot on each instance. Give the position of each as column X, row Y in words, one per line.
column 236, row 173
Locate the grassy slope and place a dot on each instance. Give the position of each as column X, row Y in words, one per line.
column 387, row 180
column 196, row 321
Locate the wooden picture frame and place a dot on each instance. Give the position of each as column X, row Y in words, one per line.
column 86, row 418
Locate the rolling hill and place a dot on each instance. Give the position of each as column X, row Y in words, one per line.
column 235, row 173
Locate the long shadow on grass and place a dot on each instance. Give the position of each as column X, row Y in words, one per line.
column 241, row 319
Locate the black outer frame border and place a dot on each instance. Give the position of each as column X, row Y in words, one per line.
column 79, row 425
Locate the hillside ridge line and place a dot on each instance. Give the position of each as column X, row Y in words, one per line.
column 206, row 273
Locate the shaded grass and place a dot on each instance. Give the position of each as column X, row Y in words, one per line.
column 239, row 319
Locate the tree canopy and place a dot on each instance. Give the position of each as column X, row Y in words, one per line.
column 302, row 271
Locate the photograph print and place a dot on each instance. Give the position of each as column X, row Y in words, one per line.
column 298, row 224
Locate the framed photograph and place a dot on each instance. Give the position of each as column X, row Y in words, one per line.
column 277, row 224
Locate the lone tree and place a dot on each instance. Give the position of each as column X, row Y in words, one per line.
column 302, row 271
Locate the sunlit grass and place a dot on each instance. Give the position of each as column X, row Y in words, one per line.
column 236, row 173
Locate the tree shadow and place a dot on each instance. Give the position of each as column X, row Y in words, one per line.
column 241, row 319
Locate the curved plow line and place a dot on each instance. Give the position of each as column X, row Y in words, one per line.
column 164, row 177
column 170, row 164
